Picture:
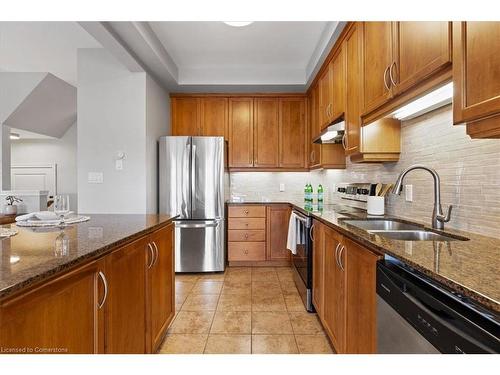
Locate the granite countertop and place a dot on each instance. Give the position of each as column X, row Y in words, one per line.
column 30, row 256
column 471, row 268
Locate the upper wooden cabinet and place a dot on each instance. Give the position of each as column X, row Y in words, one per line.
column 241, row 132
column 338, row 67
column 399, row 56
column 476, row 77
column 185, row 116
column 214, row 116
column 292, row 133
column 266, row 132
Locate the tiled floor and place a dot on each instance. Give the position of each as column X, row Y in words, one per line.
column 245, row 310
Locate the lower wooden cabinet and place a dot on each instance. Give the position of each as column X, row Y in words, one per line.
column 344, row 282
column 61, row 316
column 121, row 303
column 257, row 234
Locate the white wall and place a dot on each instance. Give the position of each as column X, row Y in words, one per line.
column 111, row 117
column 51, row 151
column 157, row 124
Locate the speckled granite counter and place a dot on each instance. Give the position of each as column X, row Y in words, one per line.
column 30, row 256
column 471, row 268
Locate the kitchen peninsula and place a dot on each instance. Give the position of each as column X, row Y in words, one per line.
column 104, row 286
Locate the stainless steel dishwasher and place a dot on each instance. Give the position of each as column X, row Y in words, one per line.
column 417, row 315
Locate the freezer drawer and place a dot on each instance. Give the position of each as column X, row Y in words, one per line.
column 199, row 246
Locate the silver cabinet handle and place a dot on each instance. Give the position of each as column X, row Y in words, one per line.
column 105, row 283
column 390, row 73
column 152, row 254
column 340, row 258
column 344, row 143
column 157, row 254
column 336, row 255
column 311, row 233
column 311, row 157
column 385, row 78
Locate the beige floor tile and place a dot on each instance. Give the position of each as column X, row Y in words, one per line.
column 289, row 288
column 184, row 344
column 235, row 302
column 274, row 344
column 266, row 285
column 271, row 323
column 192, row 322
column 236, row 287
column 192, row 277
column 245, row 277
column 184, row 287
column 229, row 344
column 198, row 302
column 305, row 323
column 266, row 302
column 180, row 298
column 232, row 322
column 313, row 344
column 294, row 303
column 207, row 287
column 284, row 274
column 264, row 274
column 219, row 276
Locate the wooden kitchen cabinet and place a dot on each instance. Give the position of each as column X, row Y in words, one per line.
column 185, row 116
column 214, row 117
column 318, row 267
column 338, row 85
column 160, row 279
column 241, row 132
column 325, row 97
column 476, row 77
column 278, row 217
column 292, row 133
column 266, row 132
column 62, row 314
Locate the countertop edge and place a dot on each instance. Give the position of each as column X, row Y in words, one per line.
column 37, row 280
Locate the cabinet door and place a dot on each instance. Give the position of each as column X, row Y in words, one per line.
column 476, row 70
column 278, row 217
column 325, row 95
column 361, row 308
column 62, row 314
column 313, row 112
column 421, row 49
column 318, row 267
column 161, row 298
column 334, row 314
column 338, row 85
column 186, row 116
column 266, row 132
column 377, row 59
column 214, row 114
column 240, row 132
column 354, row 64
column 126, row 303
column 292, row 144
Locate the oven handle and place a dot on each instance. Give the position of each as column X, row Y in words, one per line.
column 300, row 217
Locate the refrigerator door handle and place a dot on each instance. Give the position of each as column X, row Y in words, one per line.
column 185, row 183
column 198, row 225
column 193, row 174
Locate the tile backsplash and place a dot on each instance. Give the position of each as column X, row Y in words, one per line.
column 469, row 171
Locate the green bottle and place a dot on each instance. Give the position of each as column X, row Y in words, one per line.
column 306, row 194
column 320, row 193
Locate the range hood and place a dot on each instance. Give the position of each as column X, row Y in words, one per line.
column 333, row 133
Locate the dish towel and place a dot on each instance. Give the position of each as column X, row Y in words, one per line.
column 291, row 242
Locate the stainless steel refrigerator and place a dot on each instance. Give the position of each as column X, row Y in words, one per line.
column 191, row 171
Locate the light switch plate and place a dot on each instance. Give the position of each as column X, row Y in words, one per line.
column 409, row 193
column 95, row 178
column 119, row 164
column 282, row 187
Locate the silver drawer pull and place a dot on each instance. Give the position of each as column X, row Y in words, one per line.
column 105, row 283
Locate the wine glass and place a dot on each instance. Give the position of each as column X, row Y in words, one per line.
column 61, row 207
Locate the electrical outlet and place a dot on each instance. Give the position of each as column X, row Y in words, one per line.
column 95, row 178
column 282, row 187
column 409, row 193
column 119, row 164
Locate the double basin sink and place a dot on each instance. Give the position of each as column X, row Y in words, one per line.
column 397, row 230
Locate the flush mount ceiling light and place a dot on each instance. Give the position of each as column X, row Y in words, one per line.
column 435, row 99
column 14, row 136
column 238, row 23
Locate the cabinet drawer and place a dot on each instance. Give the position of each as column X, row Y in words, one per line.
column 251, row 251
column 247, row 211
column 247, row 223
column 246, row 235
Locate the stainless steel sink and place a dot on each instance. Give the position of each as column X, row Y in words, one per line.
column 390, row 225
column 414, row 235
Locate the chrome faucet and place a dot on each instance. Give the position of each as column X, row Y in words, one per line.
column 438, row 219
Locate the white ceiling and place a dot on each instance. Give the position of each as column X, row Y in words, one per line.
column 48, row 47
column 263, row 52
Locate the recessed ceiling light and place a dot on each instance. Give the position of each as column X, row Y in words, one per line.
column 15, row 136
column 238, row 23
